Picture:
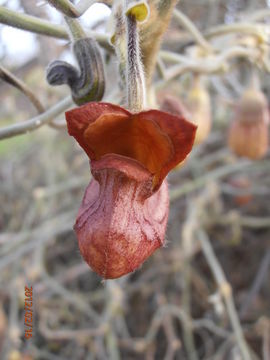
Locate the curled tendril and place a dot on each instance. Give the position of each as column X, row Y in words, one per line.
column 86, row 84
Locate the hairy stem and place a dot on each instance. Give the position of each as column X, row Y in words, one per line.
column 136, row 95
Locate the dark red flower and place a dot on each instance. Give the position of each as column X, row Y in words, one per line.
column 123, row 216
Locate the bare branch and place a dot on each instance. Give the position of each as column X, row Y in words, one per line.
column 36, row 122
column 188, row 24
column 30, row 23
column 226, row 291
column 20, row 85
column 211, row 64
column 43, row 27
column 258, row 30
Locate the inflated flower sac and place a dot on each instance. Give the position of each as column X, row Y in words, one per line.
column 123, row 215
column 248, row 133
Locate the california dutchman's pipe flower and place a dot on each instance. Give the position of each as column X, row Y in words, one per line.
column 123, row 216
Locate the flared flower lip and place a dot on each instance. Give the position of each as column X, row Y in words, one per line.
column 155, row 139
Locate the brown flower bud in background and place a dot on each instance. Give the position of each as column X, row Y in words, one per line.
column 199, row 105
column 242, row 187
column 173, row 105
column 248, row 133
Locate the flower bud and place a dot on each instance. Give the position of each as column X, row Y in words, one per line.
column 199, row 106
column 138, row 8
column 248, row 133
column 173, row 105
column 243, row 185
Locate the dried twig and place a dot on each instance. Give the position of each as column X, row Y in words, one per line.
column 37, row 121
column 188, row 24
column 216, row 174
column 19, row 84
column 257, row 283
column 226, row 291
column 33, row 24
column 215, row 64
column 187, row 244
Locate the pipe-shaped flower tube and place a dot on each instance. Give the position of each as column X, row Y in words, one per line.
column 123, row 216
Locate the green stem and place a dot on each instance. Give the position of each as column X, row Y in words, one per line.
column 31, row 23
column 214, row 175
column 75, row 29
column 136, row 93
column 43, row 27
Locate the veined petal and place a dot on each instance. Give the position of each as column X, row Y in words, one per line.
column 78, row 120
column 158, row 140
column 181, row 134
column 123, row 216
